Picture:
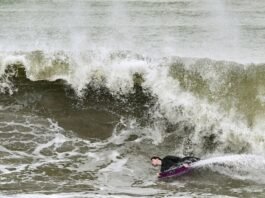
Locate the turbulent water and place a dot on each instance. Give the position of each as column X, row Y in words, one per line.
column 91, row 89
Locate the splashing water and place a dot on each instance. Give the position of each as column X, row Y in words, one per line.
column 243, row 167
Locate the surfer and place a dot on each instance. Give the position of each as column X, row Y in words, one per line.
column 170, row 161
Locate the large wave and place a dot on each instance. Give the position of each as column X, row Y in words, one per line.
column 211, row 106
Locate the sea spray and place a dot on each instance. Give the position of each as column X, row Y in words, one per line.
column 244, row 167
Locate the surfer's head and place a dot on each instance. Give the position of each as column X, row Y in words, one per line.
column 156, row 161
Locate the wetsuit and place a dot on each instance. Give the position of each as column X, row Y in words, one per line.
column 170, row 161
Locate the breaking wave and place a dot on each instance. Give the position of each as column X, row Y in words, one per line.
column 210, row 106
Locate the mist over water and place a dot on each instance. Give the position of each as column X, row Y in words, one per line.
column 90, row 90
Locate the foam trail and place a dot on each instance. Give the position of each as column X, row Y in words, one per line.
column 231, row 159
column 244, row 167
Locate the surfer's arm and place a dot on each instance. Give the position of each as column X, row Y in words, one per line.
column 173, row 158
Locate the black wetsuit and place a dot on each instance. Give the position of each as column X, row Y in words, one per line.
column 170, row 161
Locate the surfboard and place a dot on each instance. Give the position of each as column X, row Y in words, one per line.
column 174, row 172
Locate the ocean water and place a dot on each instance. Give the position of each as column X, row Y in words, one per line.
column 91, row 89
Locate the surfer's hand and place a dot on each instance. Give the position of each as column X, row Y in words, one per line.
column 157, row 174
column 186, row 165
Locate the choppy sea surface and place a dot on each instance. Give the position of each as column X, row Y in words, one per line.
column 91, row 89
